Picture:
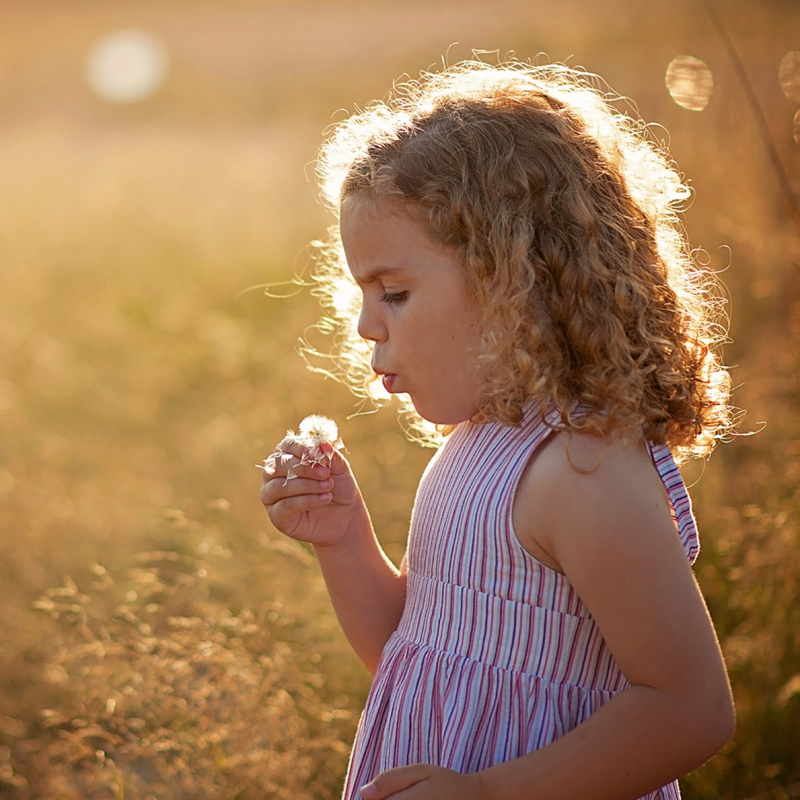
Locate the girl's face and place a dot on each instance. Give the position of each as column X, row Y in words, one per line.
column 416, row 310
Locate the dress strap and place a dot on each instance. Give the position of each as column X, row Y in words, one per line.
column 679, row 501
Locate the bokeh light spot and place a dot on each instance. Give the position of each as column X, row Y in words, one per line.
column 796, row 126
column 127, row 66
column 789, row 75
column 689, row 82
column 391, row 449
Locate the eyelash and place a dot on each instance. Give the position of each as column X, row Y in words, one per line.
column 398, row 297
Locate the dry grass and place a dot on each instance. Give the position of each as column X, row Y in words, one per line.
column 138, row 385
column 172, row 693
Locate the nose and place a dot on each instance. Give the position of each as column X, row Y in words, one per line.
column 370, row 326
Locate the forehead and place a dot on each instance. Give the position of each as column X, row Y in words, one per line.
column 381, row 235
column 367, row 210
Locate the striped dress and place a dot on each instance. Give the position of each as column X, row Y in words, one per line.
column 495, row 655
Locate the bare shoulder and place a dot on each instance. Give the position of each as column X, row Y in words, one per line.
column 599, row 511
column 577, row 483
column 578, row 457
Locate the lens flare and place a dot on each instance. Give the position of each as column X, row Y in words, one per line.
column 127, row 66
column 789, row 75
column 689, row 82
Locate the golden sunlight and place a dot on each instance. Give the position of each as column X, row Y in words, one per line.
column 346, row 299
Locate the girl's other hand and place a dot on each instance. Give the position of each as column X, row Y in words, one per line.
column 424, row 782
column 312, row 503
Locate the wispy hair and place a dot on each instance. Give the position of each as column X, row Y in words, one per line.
column 564, row 213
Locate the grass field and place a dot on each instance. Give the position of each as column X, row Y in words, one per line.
column 159, row 639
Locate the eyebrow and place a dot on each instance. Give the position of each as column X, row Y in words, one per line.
column 376, row 273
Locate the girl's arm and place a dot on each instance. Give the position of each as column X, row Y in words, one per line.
column 597, row 510
column 323, row 506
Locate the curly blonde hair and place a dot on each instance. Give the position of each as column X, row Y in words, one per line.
column 563, row 214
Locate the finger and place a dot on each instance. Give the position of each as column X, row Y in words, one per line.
column 287, row 453
column 291, row 469
column 290, row 508
column 279, row 459
column 291, row 445
column 277, row 489
column 395, row 780
column 311, row 471
column 270, row 466
column 285, row 462
column 337, row 462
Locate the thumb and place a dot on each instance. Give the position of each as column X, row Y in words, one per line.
column 394, row 780
column 338, row 463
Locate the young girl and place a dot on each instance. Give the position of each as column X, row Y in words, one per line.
column 525, row 286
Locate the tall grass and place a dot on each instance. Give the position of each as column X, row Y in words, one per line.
column 159, row 639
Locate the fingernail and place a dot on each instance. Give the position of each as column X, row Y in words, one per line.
column 326, row 484
column 320, row 470
column 325, row 498
column 369, row 791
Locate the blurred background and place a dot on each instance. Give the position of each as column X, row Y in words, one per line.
column 158, row 638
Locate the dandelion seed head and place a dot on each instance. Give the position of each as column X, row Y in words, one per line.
column 316, row 430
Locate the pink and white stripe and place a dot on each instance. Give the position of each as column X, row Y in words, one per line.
column 495, row 655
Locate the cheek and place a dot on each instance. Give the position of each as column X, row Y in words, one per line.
column 469, row 327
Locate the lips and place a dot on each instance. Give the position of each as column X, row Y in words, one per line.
column 387, row 379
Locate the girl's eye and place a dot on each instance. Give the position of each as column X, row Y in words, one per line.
column 398, row 297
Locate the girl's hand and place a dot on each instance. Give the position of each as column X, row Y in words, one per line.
column 310, row 502
column 424, row 782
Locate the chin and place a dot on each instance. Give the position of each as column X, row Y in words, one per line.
column 444, row 417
